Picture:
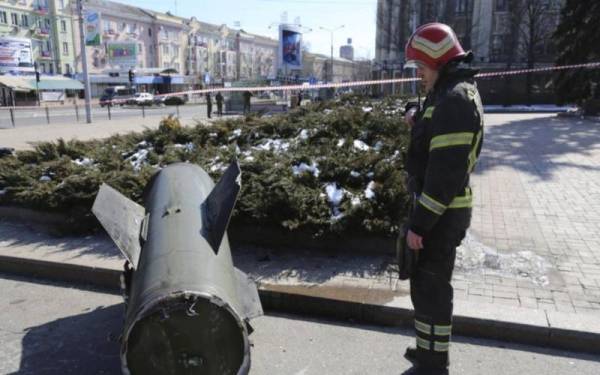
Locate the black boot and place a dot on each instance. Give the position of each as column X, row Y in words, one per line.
column 422, row 366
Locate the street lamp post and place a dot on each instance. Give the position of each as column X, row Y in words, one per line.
column 331, row 39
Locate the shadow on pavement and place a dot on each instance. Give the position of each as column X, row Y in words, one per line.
column 407, row 332
column 80, row 344
column 297, row 266
column 14, row 234
column 535, row 146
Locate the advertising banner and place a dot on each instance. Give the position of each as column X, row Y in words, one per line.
column 92, row 28
column 290, row 47
column 123, row 54
column 15, row 54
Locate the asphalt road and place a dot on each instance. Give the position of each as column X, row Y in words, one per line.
column 67, row 114
column 48, row 328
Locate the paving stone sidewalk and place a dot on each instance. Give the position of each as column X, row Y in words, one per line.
column 534, row 243
column 537, row 192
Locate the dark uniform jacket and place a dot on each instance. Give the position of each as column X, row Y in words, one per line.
column 445, row 143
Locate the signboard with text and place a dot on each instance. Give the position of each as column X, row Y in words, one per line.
column 290, row 47
column 15, row 54
column 123, row 54
column 92, row 28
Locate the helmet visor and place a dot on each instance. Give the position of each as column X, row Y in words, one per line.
column 413, row 64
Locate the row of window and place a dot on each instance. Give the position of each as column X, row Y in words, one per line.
column 43, row 68
column 24, row 21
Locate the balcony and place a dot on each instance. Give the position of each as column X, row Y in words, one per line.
column 40, row 9
column 42, row 33
column 45, row 55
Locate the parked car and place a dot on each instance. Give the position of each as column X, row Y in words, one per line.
column 116, row 95
column 141, row 98
column 176, row 100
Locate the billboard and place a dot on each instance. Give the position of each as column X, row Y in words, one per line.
column 123, row 54
column 92, row 28
column 15, row 55
column 290, row 47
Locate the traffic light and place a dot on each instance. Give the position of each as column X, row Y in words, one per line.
column 131, row 76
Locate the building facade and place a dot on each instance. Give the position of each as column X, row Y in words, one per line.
column 47, row 25
column 501, row 33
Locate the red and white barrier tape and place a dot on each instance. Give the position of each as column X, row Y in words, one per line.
column 297, row 87
column 370, row 82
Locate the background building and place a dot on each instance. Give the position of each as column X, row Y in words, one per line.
column 347, row 51
column 501, row 33
column 48, row 25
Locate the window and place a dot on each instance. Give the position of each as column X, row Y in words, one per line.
column 149, row 32
column 501, row 5
column 14, row 18
column 3, row 17
column 461, row 6
column 24, row 20
column 62, row 4
column 176, row 50
column 43, row 66
column 47, row 22
column 107, row 26
column 165, row 49
column 67, row 69
column 123, row 26
column 65, row 48
column 140, row 48
column 51, row 68
column 63, row 26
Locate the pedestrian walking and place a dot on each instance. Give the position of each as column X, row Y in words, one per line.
column 208, row 105
column 219, row 99
column 446, row 139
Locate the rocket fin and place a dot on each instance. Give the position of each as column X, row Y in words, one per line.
column 122, row 219
column 218, row 206
column 248, row 296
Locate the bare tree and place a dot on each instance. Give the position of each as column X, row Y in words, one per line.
column 536, row 29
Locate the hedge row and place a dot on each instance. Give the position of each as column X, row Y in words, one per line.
column 332, row 167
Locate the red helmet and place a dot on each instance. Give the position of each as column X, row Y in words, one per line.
column 433, row 44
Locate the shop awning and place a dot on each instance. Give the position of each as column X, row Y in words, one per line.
column 27, row 83
column 56, row 83
column 16, row 83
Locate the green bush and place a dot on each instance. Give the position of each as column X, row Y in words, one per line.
column 351, row 146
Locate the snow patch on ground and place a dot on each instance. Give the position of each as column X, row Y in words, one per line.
column 84, row 162
column 335, row 195
column 276, row 145
column 369, row 192
column 473, row 256
column 303, row 167
column 360, row 145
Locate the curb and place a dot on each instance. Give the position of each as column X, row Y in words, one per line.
column 238, row 234
column 546, row 329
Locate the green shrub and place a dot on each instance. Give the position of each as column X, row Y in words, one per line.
column 287, row 163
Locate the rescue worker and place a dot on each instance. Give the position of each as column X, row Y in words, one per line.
column 208, row 105
column 219, row 99
column 247, row 101
column 446, row 139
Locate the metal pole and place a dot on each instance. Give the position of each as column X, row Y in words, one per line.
column 47, row 115
column 86, row 77
column 108, row 106
column 12, row 117
column 143, row 110
column 331, row 35
column 77, row 112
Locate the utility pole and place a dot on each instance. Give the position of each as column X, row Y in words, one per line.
column 331, row 40
column 86, row 77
